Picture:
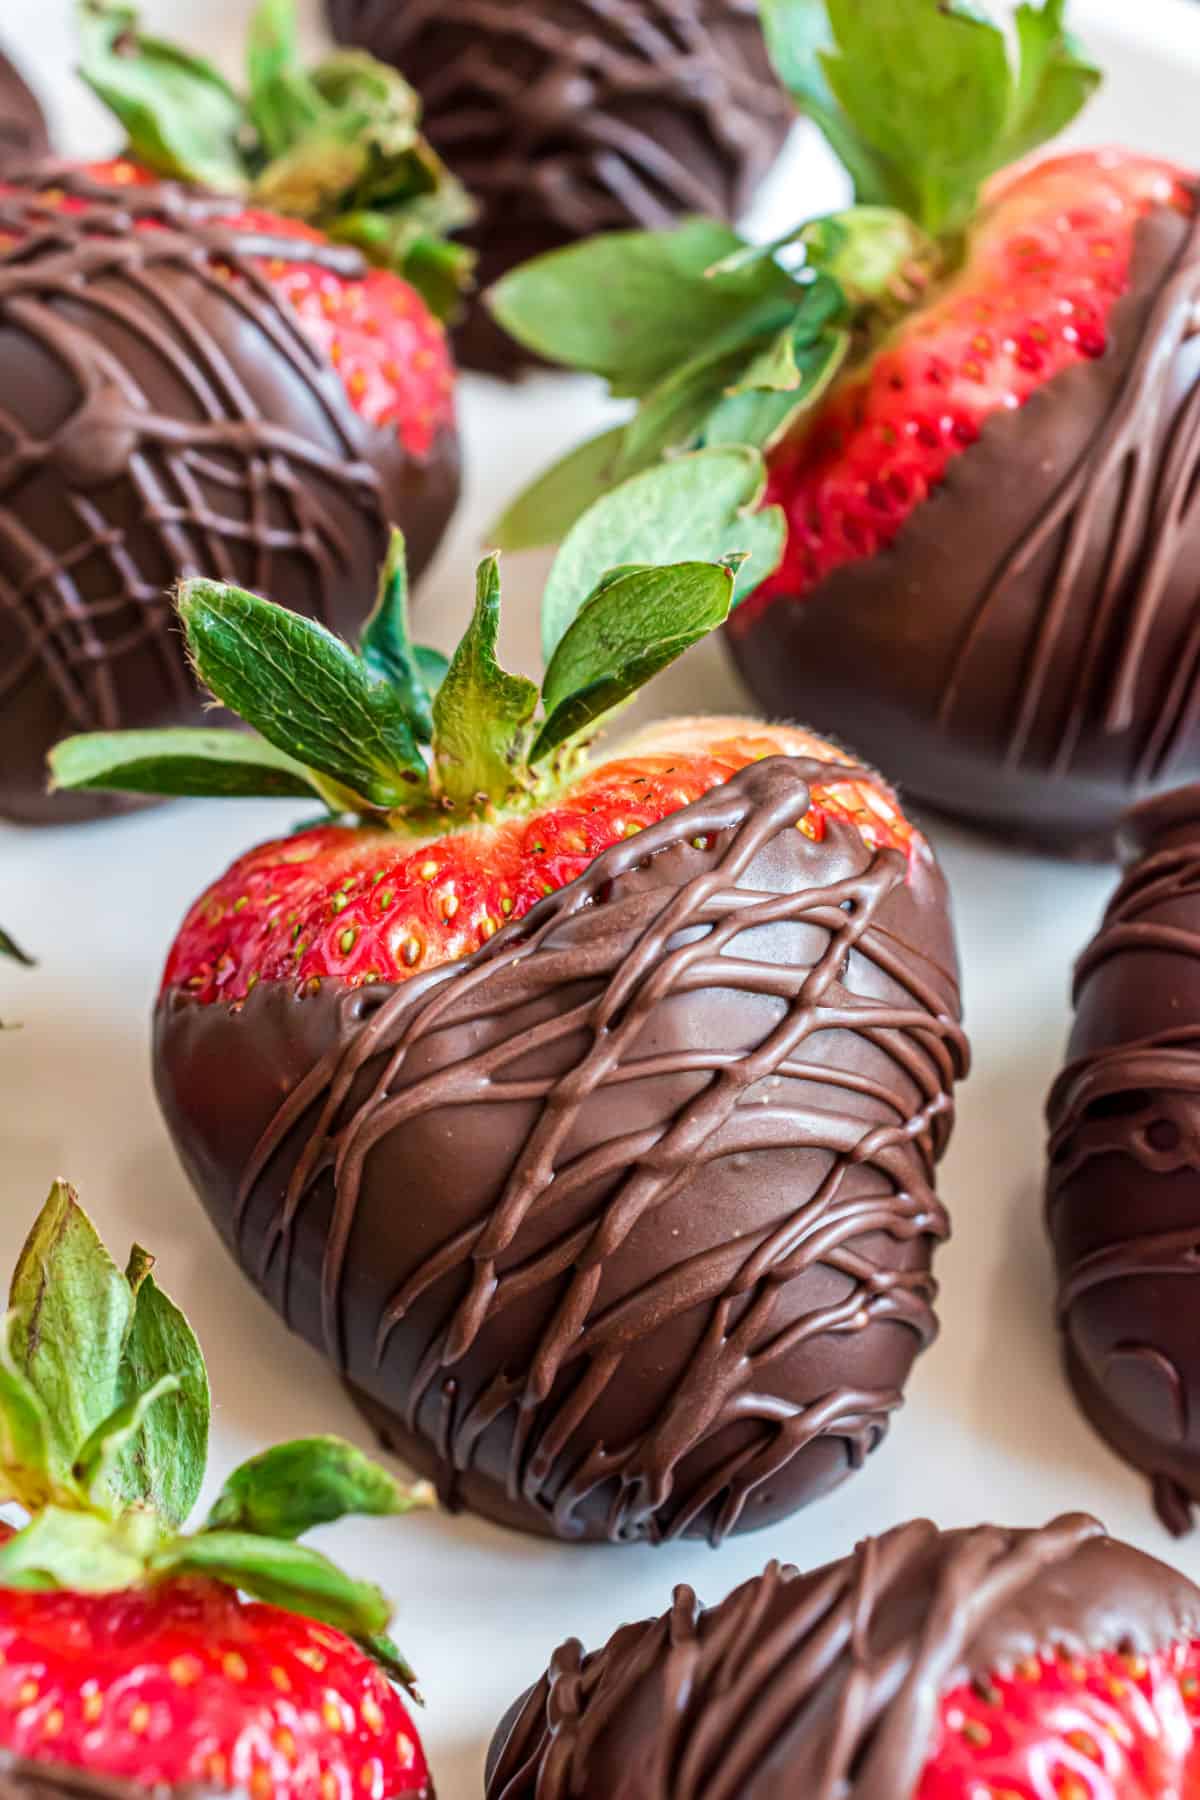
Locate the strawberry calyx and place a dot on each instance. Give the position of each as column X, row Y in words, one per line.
column 104, row 1420
column 337, row 145
column 721, row 341
column 393, row 733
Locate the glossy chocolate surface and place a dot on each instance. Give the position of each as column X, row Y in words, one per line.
column 22, row 124
column 622, row 1227
column 577, row 116
column 1123, row 1189
column 827, row 1686
column 162, row 413
column 21, row 1779
column 1027, row 653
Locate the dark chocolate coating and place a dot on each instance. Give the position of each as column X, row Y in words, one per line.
column 22, row 124
column 158, row 418
column 21, row 1779
column 826, row 1686
column 1026, row 655
column 1123, row 1193
column 569, row 117
column 620, row 1228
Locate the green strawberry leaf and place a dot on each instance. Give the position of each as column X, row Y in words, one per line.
column 921, row 100
column 84, row 1552
column 10, row 947
column 762, row 419
column 927, row 86
column 288, row 1490
column 162, row 1463
column 698, row 508
column 432, row 667
column 798, row 35
column 282, row 1572
column 481, row 713
column 25, row 1473
column 303, row 690
column 180, row 114
column 226, row 764
column 284, row 104
column 70, row 1309
column 630, row 628
column 546, row 511
column 95, row 1461
column 393, row 1662
column 387, row 648
column 1056, row 78
column 632, row 306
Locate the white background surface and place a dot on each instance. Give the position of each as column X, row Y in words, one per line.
column 989, row 1431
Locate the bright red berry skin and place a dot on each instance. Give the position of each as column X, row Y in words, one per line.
column 391, row 353
column 1111, row 1727
column 186, row 1682
column 368, row 904
column 1047, row 259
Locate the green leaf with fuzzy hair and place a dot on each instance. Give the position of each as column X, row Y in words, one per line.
column 386, row 645
column 303, row 690
column 699, row 508
column 70, row 1308
column 632, row 306
column 180, row 114
column 481, row 713
column 283, row 1573
column 289, row 1489
column 179, row 760
column 162, row 1462
column 632, row 627
column 921, row 100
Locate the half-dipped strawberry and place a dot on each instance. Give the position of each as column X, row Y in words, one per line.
column 584, row 1110
column 233, row 1658
column 977, row 387
column 960, row 1665
column 221, row 352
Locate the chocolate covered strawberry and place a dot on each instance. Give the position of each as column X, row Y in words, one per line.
column 222, row 351
column 584, row 1109
column 976, row 387
column 232, row 1658
column 960, row 1665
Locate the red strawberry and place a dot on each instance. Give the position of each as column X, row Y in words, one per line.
column 968, row 1665
column 1112, row 1726
column 184, row 1681
column 126, row 1647
column 364, row 905
column 1047, row 258
column 376, row 329
column 580, row 1042
column 974, row 387
column 251, row 374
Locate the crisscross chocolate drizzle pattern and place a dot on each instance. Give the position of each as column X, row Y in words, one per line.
column 620, row 1217
column 162, row 412
column 1027, row 651
column 581, row 116
column 827, row 1685
column 1124, row 1155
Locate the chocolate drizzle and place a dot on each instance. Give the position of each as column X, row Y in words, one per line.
column 581, row 116
column 162, row 412
column 1124, row 1159
column 827, row 1685
column 22, row 125
column 621, row 1227
column 21, row 1779
column 1028, row 651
